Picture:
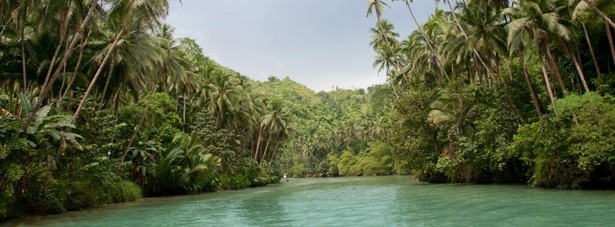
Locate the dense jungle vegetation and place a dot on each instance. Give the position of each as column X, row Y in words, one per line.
column 499, row 91
column 100, row 103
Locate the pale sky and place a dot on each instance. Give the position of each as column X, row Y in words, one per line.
column 319, row 43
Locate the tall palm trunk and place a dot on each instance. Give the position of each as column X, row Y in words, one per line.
column 530, row 87
column 22, row 39
column 76, row 36
column 591, row 49
column 553, row 66
column 258, row 144
column 508, row 69
column 74, row 77
column 579, row 68
column 573, row 54
column 550, row 89
column 107, row 82
column 548, row 84
column 609, row 35
column 56, row 53
column 116, row 98
column 98, row 72
column 264, row 157
column 184, row 112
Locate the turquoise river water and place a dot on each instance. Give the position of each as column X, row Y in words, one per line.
column 360, row 201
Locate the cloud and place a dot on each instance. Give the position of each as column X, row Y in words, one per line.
column 319, row 45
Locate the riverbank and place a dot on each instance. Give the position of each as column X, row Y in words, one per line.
column 133, row 199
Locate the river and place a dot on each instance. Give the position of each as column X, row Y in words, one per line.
column 356, row 201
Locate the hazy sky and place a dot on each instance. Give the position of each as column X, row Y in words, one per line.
column 319, row 43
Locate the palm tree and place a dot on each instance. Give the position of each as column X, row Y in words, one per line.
column 386, row 46
column 172, row 73
column 375, row 6
column 483, row 35
column 129, row 17
column 581, row 6
column 465, row 35
column 77, row 35
column 424, row 60
column 542, row 21
column 584, row 5
column 536, row 22
column 277, row 124
column 429, row 43
column 224, row 98
column 591, row 49
column 569, row 46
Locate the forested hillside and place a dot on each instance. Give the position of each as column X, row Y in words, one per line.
column 332, row 125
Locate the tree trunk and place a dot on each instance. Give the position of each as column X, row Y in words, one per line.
column 107, row 82
column 184, row 112
column 72, row 79
column 555, row 69
column 498, row 70
column 510, row 75
column 22, row 39
column 609, row 35
column 98, row 72
column 258, row 144
column 580, row 71
column 549, row 88
column 8, row 21
column 56, row 53
column 69, row 50
column 591, row 49
column 264, row 157
column 530, row 87
column 115, row 101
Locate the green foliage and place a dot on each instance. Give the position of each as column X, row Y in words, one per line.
column 417, row 143
column 246, row 173
column 92, row 193
column 328, row 122
column 185, row 168
column 52, row 126
column 573, row 149
column 375, row 160
column 155, row 115
column 145, row 107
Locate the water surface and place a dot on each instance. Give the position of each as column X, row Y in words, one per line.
column 360, row 201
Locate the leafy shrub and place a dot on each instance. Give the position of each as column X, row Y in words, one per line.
column 89, row 193
column 124, row 191
column 375, row 160
column 573, row 149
